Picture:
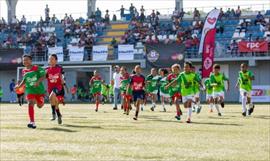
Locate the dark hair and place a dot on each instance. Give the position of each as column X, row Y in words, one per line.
column 55, row 56
column 216, row 66
column 27, row 56
column 189, row 64
column 165, row 71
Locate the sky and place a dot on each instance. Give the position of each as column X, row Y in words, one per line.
column 33, row 9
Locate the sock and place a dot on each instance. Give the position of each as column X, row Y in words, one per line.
column 217, row 107
column 251, row 103
column 163, row 104
column 97, row 103
column 244, row 102
column 136, row 114
column 211, row 105
column 189, row 112
column 31, row 113
column 53, row 110
column 198, row 103
column 58, row 112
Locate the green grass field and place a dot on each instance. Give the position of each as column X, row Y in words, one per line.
column 110, row 135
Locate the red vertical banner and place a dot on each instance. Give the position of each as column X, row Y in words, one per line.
column 208, row 53
column 207, row 43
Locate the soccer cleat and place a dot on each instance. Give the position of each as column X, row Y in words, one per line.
column 115, row 108
column 250, row 111
column 53, row 117
column 244, row 114
column 164, row 110
column 219, row 114
column 188, row 121
column 199, row 109
column 222, row 104
column 178, row 117
column 171, row 103
column 141, row 108
column 31, row 125
column 152, row 108
column 60, row 120
column 96, row 110
column 211, row 110
column 193, row 109
column 135, row 118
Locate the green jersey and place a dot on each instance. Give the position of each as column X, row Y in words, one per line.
column 95, row 85
column 163, row 83
column 30, row 77
column 245, row 80
column 197, row 83
column 104, row 89
column 208, row 86
column 125, row 81
column 175, row 88
column 187, row 82
column 152, row 83
column 111, row 90
column 217, row 82
column 1, row 92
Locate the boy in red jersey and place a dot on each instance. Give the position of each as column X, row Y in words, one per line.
column 95, row 84
column 33, row 76
column 137, row 84
column 174, row 90
column 55, row 86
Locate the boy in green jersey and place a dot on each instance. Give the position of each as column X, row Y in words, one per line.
column 164, row 93
column 197, row 85
column 33, row 76
column 217, row 82
column 104, row 92
column 209, row 93
column 95, row 84
column 244, row 83
column 187, row 81
column 152, row 86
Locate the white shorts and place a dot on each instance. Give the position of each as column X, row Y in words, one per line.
column 208, row 96
column 186, row 98
column 243, row 91
column 154, row 92
column 164, row 95
column 218, row 94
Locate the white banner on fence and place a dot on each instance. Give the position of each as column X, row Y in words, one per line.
column 58, row 50
column 76, row 53
column 260, row 93
column 100, row 52
column 125, row 52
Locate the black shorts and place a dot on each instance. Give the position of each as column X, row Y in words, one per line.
column 138, row 95
column 59, row 92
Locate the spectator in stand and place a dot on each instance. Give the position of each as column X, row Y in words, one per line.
column 14, row 20
column 23, row 20
column 122, row 12
column 181, row 14
column 228, row 13
column 220, row 26
column 195, row 41
column 47, row 15
column 98, row 14
column 259, row 18
column 232, row 15
column 114, row 18
column 234, row 48
column 53, row 19
column 167, row 40
column 114, row 44
column 107, row 17
column 12, row 91
column 142, row 16
column 131, row 10
column 238, row 12
column 221, row 13
column 196, row 14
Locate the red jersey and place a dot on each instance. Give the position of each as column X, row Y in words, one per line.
column 54, row 77
column 171, row 77
column 95, row 78
column 124, row 77
column 137, row 82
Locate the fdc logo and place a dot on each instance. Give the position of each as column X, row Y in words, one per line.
column 252, row 45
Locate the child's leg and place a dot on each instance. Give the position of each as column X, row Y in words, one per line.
column 244, row 102
column 31, row 113
column 97, row 101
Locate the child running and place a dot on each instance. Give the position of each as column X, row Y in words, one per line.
column 95, row 84
column 164, row 93
column 137, row 84
column 152, row 88
column 33, row 76
column 126, row 94
column 197, row 85
column 175, row 89
column 217, row 81
column 244, row 84
column 20, row 93
column 54, row 75
column 186, row 79
column 209, row 94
